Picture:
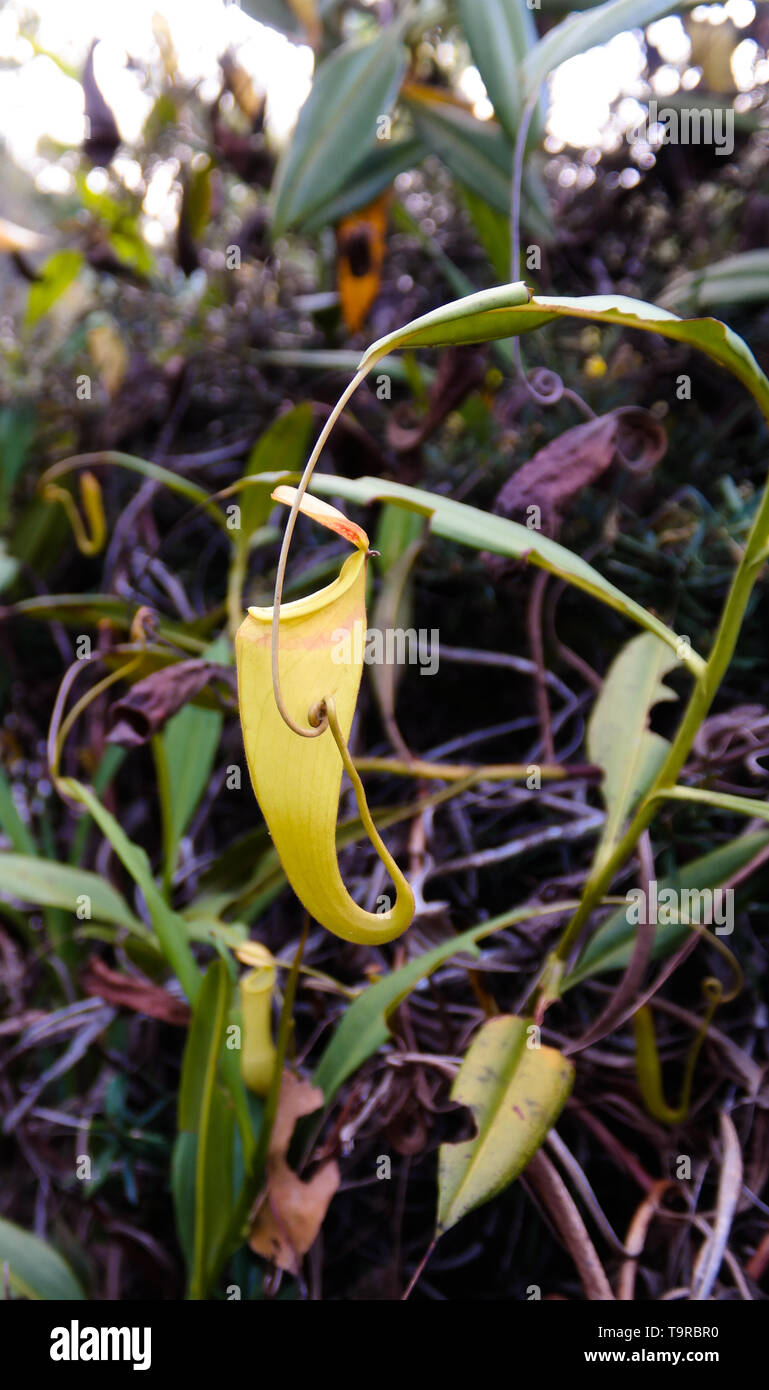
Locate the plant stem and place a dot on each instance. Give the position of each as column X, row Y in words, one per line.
column 700, row 700
column 166, row 812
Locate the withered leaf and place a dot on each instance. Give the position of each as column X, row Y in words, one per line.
column 148, row 704
column 292, row 1212
column 102, row 134
column 131, row 992
column 576, row 458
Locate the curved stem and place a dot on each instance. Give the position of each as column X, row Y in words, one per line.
column 515, row 200
column 401, row 884
column 350, row 389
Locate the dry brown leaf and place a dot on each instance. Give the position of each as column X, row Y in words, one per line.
column 150, row 702
column 292, row 1212
column 577, row 458
column 132, row 992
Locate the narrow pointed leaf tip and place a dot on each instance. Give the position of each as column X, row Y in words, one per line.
column 296, row 780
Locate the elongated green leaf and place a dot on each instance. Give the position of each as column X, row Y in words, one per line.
column 741, row 279
column 35, row 1269
column 479, row 156
column 507, row 310
column 396, row 529
column 500, row 34
column 277, row 14
column 337, row 125
column 587, row 29
column 377, row 172
column 476, row 152
column 169, row 925
column 112, row 458
column 206, row 1112
column 469, row 526
column 618, row 735
column 611, row 945
column 183, row 1170
column 286, row 439
column 17, row 430
column 11, row 823
column 516, row 1092
column 287, row 15
column 364, row 1027
column 723, row 801
column 326, row 360
column 91, row 608
column 190, row 740
column 47, row 883
column 493, row 230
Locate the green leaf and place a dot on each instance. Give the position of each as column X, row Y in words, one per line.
column 468, row 525
column 337, row 125
column 35, row 1269
column 17, row 430
column 378, row 171
column 587, row 29
column 364, row 1028
column 618, row 735
column 56, row 275
column 192, row 739
column 476, row 152
column 516, row 1093
column 611, row 945
column 723, row 801
column 277, row 14
column 113, row 458
column 16, row 830
column 500, row 34
column 47, row 883
column 92, row 608
column 742, row 279
column 197, row 203
column 396, row 529
column 204, row 1044
column 169, row 925
column 287, row 440
column 129, row 247
column 183, row 1169
column 507, row 310
column 205, row 1111
column 190, row 742
column 493, row 229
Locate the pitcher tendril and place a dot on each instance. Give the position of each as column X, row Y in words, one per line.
column 296, row 507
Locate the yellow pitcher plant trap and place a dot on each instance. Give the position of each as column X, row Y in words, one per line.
column 296, row 722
